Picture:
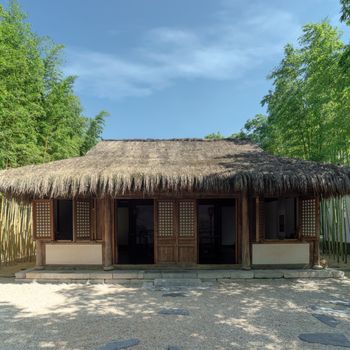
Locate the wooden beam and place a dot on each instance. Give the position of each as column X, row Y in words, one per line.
column 115, row 231
column 238, row 214
column 106, row 226
column 245, row 233
column 39, row 262
column 316, row 250
column 257, row 219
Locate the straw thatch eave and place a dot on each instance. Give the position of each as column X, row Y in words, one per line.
column 150, row 166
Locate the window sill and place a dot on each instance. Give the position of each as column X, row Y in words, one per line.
column 290, row 240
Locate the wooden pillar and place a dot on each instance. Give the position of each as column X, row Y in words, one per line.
column 106, row 226
column 245, row 233
column 257, row 219
column 316, row 248
column 39, row 262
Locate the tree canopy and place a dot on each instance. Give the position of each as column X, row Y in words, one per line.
column 40, row 116
column 308, row 106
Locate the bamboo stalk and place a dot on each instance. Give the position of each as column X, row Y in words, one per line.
column 335, row 227
column 16, row 239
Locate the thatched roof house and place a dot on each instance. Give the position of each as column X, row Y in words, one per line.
column 176, row 201
column 150, row 166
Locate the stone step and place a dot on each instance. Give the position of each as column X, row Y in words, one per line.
column 177, row 277
column 170, row 274
column 177, row 282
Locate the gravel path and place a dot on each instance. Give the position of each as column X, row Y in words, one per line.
column 253, row 314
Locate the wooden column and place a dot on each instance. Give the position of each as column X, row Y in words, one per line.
column 106, row 225
column 316, row 248
column 257, row 219
column 39, row 262
column 245, row 233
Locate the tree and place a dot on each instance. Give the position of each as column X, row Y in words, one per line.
column 40, row 116
column 94, row 132
column 308, row 107
column 345, row 11
column 21, row 85
column 255, row 130
column 214, row 136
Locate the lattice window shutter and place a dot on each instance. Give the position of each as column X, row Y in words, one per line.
column 83, row 210
column 166, row 211
column 187, row 217
column 308, row 217
column 43, row 219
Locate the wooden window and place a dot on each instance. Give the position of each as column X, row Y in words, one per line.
column 308, row 217
column 187, row 218
column 165, row 218
column 83, row 219
column 43, row 219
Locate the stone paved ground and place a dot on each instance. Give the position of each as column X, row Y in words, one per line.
column 245, row 314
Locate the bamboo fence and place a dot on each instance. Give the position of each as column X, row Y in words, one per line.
column 16, row 239
column 335, row 228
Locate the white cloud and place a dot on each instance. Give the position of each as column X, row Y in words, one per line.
column 226, row 50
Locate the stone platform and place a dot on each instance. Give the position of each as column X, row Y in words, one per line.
column 161, row 277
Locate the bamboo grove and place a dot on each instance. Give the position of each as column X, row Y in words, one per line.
column 41, row 118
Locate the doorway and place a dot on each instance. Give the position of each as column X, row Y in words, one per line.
column 216, row 231
column 135, row 232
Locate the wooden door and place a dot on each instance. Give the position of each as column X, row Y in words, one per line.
column 165, row 238
column 187, row 232
column 175, row 238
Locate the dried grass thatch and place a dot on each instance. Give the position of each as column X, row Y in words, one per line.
column 148, row 166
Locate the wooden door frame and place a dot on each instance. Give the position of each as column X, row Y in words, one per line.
column 115, row 224
column 238, row 229
column 195, row 198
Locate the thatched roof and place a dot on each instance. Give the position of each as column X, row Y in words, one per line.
column 148, row 166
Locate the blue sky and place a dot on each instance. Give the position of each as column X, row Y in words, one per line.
column 165, row 68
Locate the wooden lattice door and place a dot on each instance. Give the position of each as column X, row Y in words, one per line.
column 165, row 238
column 175, row 231
column 187, row 231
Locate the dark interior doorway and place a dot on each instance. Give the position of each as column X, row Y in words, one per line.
column 216, row 231
column 63, row 215
column 135, row 231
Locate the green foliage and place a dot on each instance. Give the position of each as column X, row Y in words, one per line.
column 214, row 136
column 94, row 130
column 40, row 116
column 255, row 130
column 21, row 84
column 345, row 11
column 308, row 107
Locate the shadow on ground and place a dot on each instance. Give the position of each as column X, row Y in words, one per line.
column 265, row 314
